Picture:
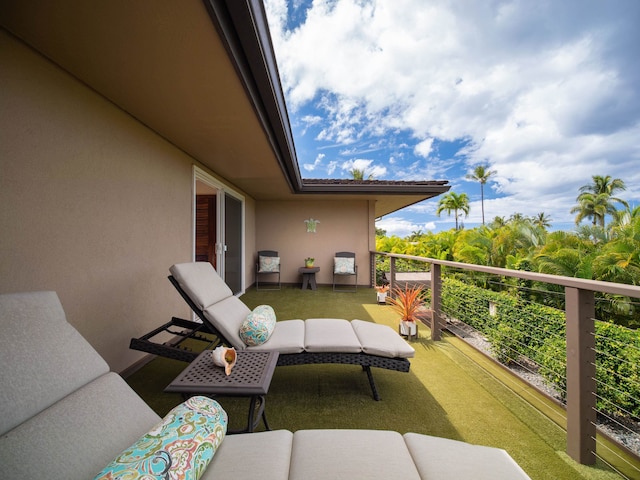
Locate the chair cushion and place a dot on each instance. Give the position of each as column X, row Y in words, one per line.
column 227, row 317
column 258, row 326
column 442, row 458
column 330, row 335
column 180, row 446
column 344, row 265
column 381, row 340
column 268, row 264
column 287, row 337
column 263, row 455
column 201, row 283
column 370, row 454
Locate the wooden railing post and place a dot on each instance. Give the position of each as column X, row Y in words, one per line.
column 436, row 292
column 392, row 275
column 372, row 269
column 581, row 374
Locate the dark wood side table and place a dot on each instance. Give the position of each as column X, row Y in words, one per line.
column 309, row 277
column 250, row 377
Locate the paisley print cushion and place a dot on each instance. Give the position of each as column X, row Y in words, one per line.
column 258, row 326
column 179, row 447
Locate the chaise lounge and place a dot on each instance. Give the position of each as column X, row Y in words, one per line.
column 64, row 415
column 315, row 340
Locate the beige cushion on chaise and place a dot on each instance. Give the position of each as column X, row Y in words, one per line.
column 315, row 340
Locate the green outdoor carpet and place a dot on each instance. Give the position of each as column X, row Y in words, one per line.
column 445, row 394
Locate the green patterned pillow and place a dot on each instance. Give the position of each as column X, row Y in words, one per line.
column 268, row 264
column 258, row 326
column 180, row 446
column 344, row 265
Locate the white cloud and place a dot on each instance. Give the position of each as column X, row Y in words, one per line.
column 366, row 165
column 424, row 148
column 401, row 227
column 309, row 167
column 543, row 96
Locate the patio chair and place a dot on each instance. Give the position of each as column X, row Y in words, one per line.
column 268, row 264
column 312, row 341
column 344, row 266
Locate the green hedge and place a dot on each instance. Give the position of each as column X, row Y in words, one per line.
column 522, row 328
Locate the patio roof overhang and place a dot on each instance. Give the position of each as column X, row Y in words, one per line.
column 201, row 74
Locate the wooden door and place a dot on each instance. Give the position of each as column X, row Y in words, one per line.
column 206, row 217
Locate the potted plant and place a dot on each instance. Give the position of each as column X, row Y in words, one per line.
column 407, row 302
column 308, row 262
column 381, row 293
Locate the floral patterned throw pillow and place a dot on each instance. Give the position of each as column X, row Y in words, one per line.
column 179, row 447
column 258, row 326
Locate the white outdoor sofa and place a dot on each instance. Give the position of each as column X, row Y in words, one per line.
column 299, row 342
column 64, row 415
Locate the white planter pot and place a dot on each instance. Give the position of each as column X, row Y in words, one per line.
column 408, row 329
column 382, row 297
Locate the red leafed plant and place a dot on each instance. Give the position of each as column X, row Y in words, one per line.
column 407, row 302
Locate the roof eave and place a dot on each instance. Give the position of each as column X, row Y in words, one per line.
column 243, row 26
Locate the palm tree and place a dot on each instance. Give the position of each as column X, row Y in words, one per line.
column 620, row 258
column 517, row 218
column 596, row 199
column 481, row 174
column 359, row 174
column 452, row 202
column 415, row 236
column 498, row 222
column 542, row 220
column 595, row 207
column 626, row 216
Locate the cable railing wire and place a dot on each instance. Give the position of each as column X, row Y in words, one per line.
column 521, row 337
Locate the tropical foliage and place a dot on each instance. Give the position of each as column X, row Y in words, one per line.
column 360, row 174
column 519, row 328
column 524, row 318
column 610, row 253
column 407, row 302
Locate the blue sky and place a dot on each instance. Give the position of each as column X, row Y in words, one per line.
column 544, row 92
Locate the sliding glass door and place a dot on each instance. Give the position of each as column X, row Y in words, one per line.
column 219, row 229
column 233, row 218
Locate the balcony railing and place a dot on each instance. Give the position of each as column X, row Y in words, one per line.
column 585, row 360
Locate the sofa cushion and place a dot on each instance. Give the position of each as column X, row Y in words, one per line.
column 263, row 455
column 180, row 446
column 381, row 340
column 77, row 436
column 43, row 357
column 443, row 459
column 287, row 337
column 330, row 335
column 370, row 454
column 201, row 283
column 258, row 326
column 227, row 316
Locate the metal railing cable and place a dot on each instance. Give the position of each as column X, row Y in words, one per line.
column 536, row 343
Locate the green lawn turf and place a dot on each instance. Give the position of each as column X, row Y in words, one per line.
column 451, row 391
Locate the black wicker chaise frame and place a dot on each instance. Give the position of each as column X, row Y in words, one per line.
column 183, row 330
